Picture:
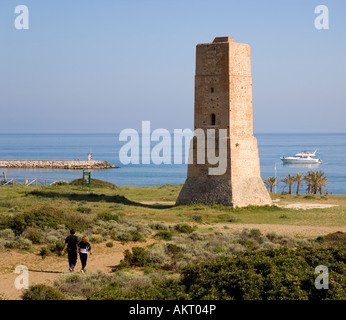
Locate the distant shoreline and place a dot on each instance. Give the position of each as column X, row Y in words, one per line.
column 56, row 164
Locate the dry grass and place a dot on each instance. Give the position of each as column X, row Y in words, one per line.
column 154, row 204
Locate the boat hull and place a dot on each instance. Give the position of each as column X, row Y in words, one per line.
column 300, row 161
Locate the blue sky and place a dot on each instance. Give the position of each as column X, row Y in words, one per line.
column 102, row 66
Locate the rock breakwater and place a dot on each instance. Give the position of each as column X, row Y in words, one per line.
column 57, row 164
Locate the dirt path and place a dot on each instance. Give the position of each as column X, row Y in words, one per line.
column 45, row 270
column 297, row 206
column 104, row 258
column 305, row 206
column 289, row 230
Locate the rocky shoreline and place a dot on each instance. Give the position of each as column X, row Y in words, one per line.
column 57, row 164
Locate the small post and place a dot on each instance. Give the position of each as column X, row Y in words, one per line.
column 86, row 179
column 275, row 177
column 5, row 179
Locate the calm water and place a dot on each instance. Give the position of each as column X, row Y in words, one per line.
column 330, row 148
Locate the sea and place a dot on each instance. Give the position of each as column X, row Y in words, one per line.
column 331, row 149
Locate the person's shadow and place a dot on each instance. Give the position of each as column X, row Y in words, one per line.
column 45, row 271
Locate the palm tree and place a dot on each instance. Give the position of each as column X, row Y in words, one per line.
column 321, row 181
column 299, row 178
column 309, row 177
column 271, row 182
column 316, row 180
column 290, row 181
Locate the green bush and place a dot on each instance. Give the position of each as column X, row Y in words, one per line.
column 336, row 238
column 36, row 219
column 163, row 235
column 197, row 219
column 60, row 183
column 42, row 292
column 219, row 249
column 44, row 252
column 95, row 183
column 148, row 270
column 78, row 285
column 56, row 248
column 96, row 238
column 83, row 209
column 9, row 240
column 53, row 248
column 109, row 244
column 20, row 243
column 273, row 274
column 159, row 226
column 137, row 258
column 34, row 235
column 136, row 236
column 247, row 243
column 173, row 250
column 44, row 217
column 108, row 216
column 161, row 290
column 255, row 233
column 184, row 228
column 123, row 236
column 7, row 234
column 126, row 232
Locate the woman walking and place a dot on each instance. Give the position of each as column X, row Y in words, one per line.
column 84, row 249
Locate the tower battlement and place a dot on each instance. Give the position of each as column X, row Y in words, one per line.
column 223, row 39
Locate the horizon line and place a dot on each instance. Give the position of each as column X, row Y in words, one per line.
column 104, row 133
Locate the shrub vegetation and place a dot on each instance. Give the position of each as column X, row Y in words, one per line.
column 42, row 292
column 272, row 274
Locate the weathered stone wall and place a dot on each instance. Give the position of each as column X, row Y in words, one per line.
column 56, row 164
column 207, row 191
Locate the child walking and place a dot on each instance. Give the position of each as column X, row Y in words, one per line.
column 84, row 249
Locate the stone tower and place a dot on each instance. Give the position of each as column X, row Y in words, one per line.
column 223, row 100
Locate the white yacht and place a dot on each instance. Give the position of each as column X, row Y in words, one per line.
column 304, row 157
